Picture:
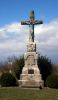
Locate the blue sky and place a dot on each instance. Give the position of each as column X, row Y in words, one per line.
column 14, row 36
column 17, row 10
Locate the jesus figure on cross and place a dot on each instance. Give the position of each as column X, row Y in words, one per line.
column 31, row 24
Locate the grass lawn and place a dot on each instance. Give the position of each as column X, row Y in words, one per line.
column 15, row 93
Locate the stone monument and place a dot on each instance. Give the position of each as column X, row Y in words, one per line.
column 31, row 76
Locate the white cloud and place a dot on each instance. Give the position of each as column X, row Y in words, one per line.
column 14, row 37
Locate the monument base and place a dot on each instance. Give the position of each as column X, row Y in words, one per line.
column 31, row 76
column 31, row 81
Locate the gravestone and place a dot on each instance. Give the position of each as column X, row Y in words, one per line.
column 31, row 76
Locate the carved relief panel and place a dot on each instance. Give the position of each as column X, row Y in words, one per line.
column 31, row 47
column 30, row 60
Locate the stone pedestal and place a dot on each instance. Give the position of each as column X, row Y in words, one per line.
column 31, row 76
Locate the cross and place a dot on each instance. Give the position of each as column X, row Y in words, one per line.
column 31, row 24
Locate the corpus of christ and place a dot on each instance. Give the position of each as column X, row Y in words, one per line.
column 30, row 76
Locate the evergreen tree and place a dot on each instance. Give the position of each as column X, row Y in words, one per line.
column 45, row 66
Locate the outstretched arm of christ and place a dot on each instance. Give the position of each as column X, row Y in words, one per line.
column 32, row 22
column 25, row 23
column 38, row 22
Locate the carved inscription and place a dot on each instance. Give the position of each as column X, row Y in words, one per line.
column 30, row 71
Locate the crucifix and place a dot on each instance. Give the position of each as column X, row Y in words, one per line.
column 31, row 24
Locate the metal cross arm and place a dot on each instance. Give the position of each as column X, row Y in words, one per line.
column 36, row 22
column 25, row 22
column 31, row 22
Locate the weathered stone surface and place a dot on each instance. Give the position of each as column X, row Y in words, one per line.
column 31, row 47
column 31, row 76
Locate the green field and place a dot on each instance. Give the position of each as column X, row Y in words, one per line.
column 15, row 93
